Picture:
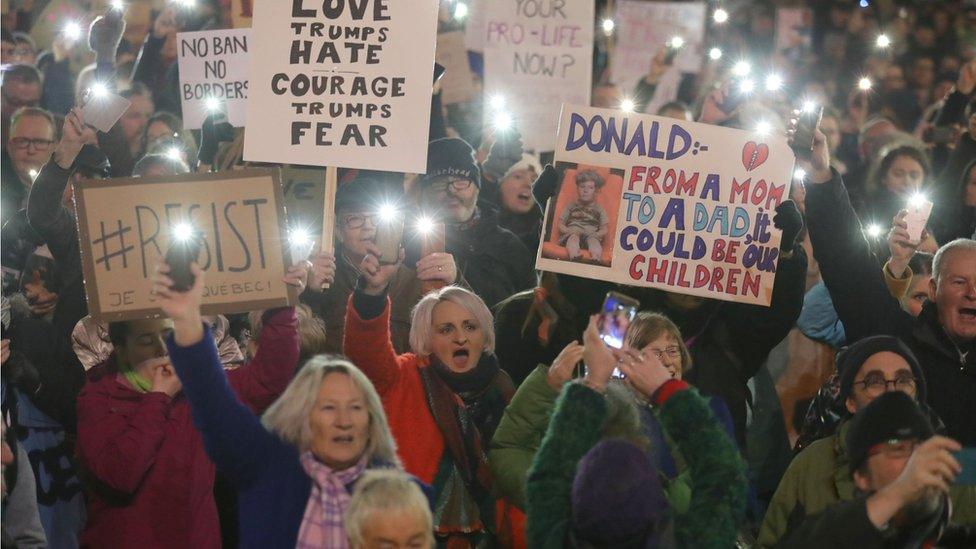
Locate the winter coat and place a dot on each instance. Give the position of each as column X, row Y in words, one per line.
column 152, row 481
column 273, row 487
column 492, row 259
column 866, row 308
column 819, row 477
column 718, row 474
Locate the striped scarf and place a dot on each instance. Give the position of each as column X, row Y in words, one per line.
column 324, row 522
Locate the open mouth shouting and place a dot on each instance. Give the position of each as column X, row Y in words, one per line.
column 461, row 358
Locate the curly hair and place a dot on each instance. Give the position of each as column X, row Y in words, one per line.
column 583, row 176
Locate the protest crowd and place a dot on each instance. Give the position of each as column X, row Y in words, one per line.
column 494, row 273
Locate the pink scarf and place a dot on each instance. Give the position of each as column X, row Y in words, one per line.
column 323, row 523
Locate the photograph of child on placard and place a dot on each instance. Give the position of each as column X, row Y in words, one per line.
column 583, row 217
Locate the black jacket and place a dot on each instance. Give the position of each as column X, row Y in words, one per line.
column 493, row 260
column 857, row 287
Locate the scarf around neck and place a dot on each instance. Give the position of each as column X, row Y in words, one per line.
column 323, row 524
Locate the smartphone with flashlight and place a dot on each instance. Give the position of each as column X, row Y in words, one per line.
column 300, row 246
column 389, row 235
column 734, row 96
column 919, row 210
column 967, row 458
column 671, row 54
column 616, row 315
column 807, row 121
column 183, row 250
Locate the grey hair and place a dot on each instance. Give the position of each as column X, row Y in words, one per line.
column 938, row 262
column 383, row 491
column 421, row 321
column 289, row 416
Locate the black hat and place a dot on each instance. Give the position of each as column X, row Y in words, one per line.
column 451, row 156
column 850, row 360
column 891, row 416
column 368, row 189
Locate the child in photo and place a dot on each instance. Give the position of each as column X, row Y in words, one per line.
column 583, row 223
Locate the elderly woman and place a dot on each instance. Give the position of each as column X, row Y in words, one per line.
column 152, row 484
column 295, row 468
column 444, row 399
column 387, row 509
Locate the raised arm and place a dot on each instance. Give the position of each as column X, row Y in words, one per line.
column 259, row 382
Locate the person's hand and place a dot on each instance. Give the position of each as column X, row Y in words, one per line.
column 900, row 245
column 505, row 152
column 376, row 275
column 297, row 275
column 658, row 66
column 966, row 83
column 437, row 266
column 789, row 220
column 164, row 380
column 546, row 185
column 165, row 24
column 74, row 135
column 41, row 300
column 4, row 351
column 561, row 370
column 323, row 271
column 180, row 306
column 931, row 467
column 643, row 371
column 818, row 167
column 104, row 36
column 212, row 134
column 857, row 108
column 597, row 357
column 712, row 112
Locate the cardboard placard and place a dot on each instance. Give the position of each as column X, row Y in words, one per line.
column 213, row 64
column 457, row 84
column 643, row 28
column 542, row 51
column 344, row 84
column 123, row 224
column 684, row 207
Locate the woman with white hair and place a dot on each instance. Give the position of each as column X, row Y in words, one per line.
column 389, row 510
column 295, row 467
column 444, row 399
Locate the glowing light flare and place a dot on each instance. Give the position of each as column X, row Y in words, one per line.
column 72, row 31
column 497, row 102
column 874, row 230
column 299, row 237
column 741, row 68
column 425, row 225
column 608, row 26
column 98, row 90
column 388, row 212
column 174, row 153
column 864, row 83
column 799, row 174
column 118, row 5
column 882, row 41
column 182, row 231
column 503, row 121
column 747, row 86
column 715, row 54
column 917, row 200
column 627, row 105
column 720, row 16
column 808, row 106
column 460, row 10
column 774, row 82
column 212, row 103
column 763, row 128
column 676, row 42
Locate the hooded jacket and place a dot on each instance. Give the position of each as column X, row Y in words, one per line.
column 152, row 481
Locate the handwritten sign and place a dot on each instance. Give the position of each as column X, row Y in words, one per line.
column 652, row 201
column 124, row 223
column 213, row 64
column 543, row 50
column 643, row 28
column 341, row 83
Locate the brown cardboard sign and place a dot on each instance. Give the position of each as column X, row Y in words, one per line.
column 124, row 228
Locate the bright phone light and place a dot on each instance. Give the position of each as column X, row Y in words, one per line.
column 715, row 54
column 608, row 26
column 746, row 86
column 720, row 16
column 460, row 10
column 627, row 105
column 118, row 5
column 917, row 199
column 799, row 174
column 72, row 31
column 212, row 103
column 182, row 231
column 774, row 82
column 425, row 225
column 864, row 84
column 676, row 42
column 388, row 212
column 809, row 106
column 299, row 237
column 99, row 90
column 741, row 68
column 173, row 153
column 763, row 128
column 33, row 174
column 874, row 230
column 883, row 41
column 497, row 102
column 503, row 121
column 186, row 3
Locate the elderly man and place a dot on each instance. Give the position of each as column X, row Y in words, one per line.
column 493, row 260
column 943, row 336
column 820, row 476
column 901, row 472
column 30, row 142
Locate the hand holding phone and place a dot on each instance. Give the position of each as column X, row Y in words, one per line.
column 806, row 122
column 919, row 210
column 967, row 458
column 181, row 253
column 102, row 108
column 616, row 315
column 389, row 234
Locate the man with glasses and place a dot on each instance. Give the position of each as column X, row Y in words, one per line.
column 901, row 473
column 820, row 475
column 30, row 142
column 492, row 259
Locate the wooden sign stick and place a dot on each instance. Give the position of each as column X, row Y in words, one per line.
column 328, row 211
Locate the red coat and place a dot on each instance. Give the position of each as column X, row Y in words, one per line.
column 397, row 380
column 152, row 481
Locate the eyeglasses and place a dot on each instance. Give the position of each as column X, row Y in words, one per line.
column 874, row 384
column 671, row 352
column 25, row 142
column 894, row 448
column 459, row 184
column 356, row 221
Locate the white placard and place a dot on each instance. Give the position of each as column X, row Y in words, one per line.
column 538, row 54
column 643, row 28
column 344, row 84
column 213, row 64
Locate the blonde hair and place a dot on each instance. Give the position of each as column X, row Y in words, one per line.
column 289, row 416
column 311, row 331
column 423, row 314
column 382, row 491
column 647, row 327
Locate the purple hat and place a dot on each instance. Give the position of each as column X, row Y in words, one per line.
column 617, row 495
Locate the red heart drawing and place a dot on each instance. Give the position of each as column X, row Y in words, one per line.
column 754, row 155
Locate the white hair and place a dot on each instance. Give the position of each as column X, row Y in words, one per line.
column 421, row 321
column 941, row 256
column 289, row 416
column 382, row 491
